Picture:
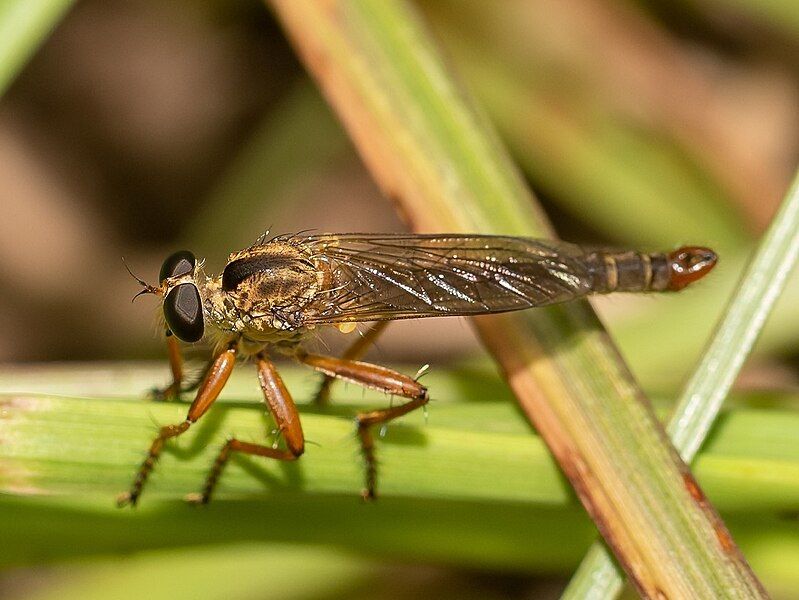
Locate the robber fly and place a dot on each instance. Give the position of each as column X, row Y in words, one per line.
column 272, row 294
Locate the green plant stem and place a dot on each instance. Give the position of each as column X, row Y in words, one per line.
column 744, row 318
column 667, row 356
column 751, row 465
column 444, row 167
column 702, row 398
column 24, row 24
column 470, row 479
column 225, row 572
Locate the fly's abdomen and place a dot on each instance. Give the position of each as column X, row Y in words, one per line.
column 642, row 272
column 627, row 272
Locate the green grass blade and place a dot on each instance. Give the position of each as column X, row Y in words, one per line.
column 700, row 402
column 667, row 356
column 760, row 287
column 24, row 24
column 232, row 572
column 444, row 166
column 470, row 479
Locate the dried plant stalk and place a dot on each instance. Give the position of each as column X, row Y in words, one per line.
column 446, row 171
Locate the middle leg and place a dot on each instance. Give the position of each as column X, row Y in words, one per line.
column 285, row 414
column 377, row 378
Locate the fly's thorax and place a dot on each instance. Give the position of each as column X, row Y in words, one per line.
column 225, row 315
column 627, row 272
column 218, row 308
column 263, row 290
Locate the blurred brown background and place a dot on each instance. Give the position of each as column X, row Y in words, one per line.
column 141, row 127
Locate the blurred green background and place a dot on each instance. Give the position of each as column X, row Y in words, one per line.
column 140, row 127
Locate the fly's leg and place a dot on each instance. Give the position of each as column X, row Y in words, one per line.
column 209, row 391
column 376, row 417
column 179, row 385
column 197, row 379
column 288, row 420
column 172, row 391
column 234, row 445
column 355, row 352
column 377, row 378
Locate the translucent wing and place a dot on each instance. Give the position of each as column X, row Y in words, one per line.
column 385, row 276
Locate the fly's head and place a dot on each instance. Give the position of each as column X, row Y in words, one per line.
column 182, row 304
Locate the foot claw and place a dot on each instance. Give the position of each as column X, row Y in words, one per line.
column 126, row 499
column 165, row 394
column 322, row 396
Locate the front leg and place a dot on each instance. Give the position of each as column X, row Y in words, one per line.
column 172, row 391
column 179, row 384
column 209, row 391
column 377, row 378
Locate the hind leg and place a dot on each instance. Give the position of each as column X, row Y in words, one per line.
column 355, row 352
column 285, row 413
column 377, row 378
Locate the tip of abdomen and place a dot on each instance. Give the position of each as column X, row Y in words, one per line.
column 688, row 264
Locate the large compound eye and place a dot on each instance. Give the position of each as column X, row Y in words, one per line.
column 178, row 264
column 183, row 312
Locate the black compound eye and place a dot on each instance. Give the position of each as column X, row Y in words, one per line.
column 178, row 264
column 183, row 312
